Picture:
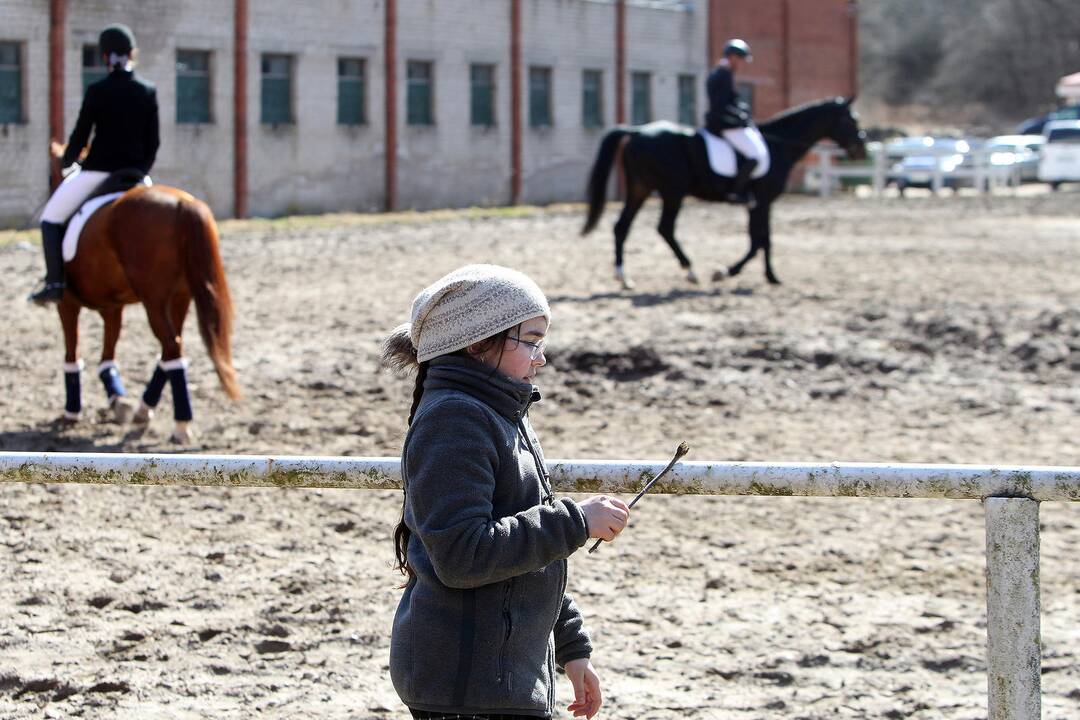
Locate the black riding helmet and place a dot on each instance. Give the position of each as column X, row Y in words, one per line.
column 116, row 39
column 735, row 46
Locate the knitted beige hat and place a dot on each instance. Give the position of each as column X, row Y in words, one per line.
column 466, row 306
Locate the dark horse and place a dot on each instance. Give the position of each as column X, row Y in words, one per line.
column 157, row 246
column 671, row 160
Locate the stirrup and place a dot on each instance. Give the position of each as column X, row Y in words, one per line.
column 49, row 293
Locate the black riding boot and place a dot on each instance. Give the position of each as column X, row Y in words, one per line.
column 52, row 235
column 738, row 192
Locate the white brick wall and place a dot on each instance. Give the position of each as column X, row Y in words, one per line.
column 316, row 165
column 24, row 183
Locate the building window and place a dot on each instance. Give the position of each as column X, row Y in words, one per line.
column 540, row 97
column 640, row 98
column 592, row 98
column 93, row 66
column 277, row 95
column 688, row 99
column 11, row 108
column 420, row 96
column 482, row 94
column 351, row 108
column 192, row 86
column 746, row 94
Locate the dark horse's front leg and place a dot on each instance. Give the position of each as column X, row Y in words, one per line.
column 759, row 240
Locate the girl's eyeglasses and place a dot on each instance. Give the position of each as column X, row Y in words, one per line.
column 536, row 349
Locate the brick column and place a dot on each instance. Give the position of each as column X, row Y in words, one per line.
column 785, row 53
column 515, row 102
column 853, row 48
column 715, row 42
column 240, row 108
column 620, row 61
column 390, row 104
column 57, row 26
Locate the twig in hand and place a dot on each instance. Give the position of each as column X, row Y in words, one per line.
column 679, row 452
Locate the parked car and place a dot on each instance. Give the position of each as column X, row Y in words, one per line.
column 1019, row 151
column 1035, row 125
column 920, row 156
column 1060, row 158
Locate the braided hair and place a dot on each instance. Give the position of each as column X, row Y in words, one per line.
column 399, row 353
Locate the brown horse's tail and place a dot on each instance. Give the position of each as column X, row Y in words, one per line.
column 206, row 280
column 598, row 177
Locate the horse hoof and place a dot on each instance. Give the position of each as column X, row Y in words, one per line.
column 143, row 415
column 719, row 275
column 123, row 409
column 182, row 434
column 691, row 277
column 773, row 280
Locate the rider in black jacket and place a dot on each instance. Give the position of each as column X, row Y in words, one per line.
column 729, row 115
column 121, row 110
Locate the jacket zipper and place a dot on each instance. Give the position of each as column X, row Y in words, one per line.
column 509, row 625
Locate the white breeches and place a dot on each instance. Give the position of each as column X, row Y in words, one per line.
column 75, row 188
column 748, row 142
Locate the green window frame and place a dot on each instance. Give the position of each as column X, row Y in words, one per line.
column 482, row 95
column 276, row 98
column 688, row 100
column 419, row 92
column 93, row 66
column 640, row 98
column 11, row 83
column 592, row 98
column 193, row 87
column 539, row 97
column 352, row 89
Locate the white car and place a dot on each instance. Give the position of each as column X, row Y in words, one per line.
column 1018, row 151
column 1060, row 160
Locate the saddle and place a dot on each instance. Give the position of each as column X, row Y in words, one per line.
column 721, row 156
column 112, row 187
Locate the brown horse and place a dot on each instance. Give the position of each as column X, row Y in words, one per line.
column 157, row 246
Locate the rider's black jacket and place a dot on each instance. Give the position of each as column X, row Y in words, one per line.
column 122, row 111
column 726, row 109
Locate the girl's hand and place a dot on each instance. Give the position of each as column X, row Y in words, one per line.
column 605, row 516
column 56, row 150
column 587, row 700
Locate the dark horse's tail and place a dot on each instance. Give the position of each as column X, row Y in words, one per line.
column 598, row 178
column 206, row 279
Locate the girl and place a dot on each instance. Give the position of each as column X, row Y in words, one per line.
column 122, row 111
column 485, row 618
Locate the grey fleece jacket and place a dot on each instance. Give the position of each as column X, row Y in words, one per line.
column 482, row 625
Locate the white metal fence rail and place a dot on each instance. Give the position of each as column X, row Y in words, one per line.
column 981, row 174
column 1011, row 498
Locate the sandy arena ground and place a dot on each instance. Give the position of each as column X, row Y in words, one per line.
column 919, row 330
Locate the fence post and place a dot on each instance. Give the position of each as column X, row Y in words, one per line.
column 824, row 161
column 981, row 180
column 1013, row 643
column 937, row 181
column 879, row 171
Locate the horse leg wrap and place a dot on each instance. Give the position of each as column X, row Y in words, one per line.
column 177, row 372
column 152, row 394
column 73, row 387
column 110, row 378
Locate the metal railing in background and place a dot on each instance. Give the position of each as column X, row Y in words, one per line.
column 826, row 175
column 1011, row 497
